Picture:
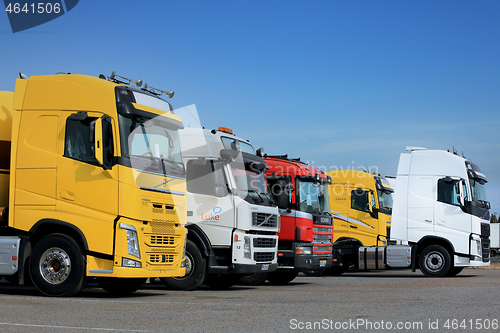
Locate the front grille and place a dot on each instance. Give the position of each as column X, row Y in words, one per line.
column 161, row 258
column 264, row 242
column 162, row 240
column 485, row 245
column 263, row 256
column 162, row 228
column 265, row 220
column 315, row 229
column 322, row 238
column 323, row 219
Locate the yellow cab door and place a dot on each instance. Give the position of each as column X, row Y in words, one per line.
column 363, row 217
column 339, row 207
column 87, row 193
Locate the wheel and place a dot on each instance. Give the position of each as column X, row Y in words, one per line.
column 318, row 272
column 121, row 286
column 435, row 261
column 278, row 278
column 255, row 279
column 493, row 253
column 454, row 271
column 196, row 270
column 222, row 281
column 57, row 266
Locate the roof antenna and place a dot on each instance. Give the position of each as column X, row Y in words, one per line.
column 221, row 122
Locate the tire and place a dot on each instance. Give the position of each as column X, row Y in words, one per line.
column 255, row 279
column 121, row 286
column 435, row 261
column 280, row 278
column 454, row 271
column 222, row 281
column 315, row 273
column 57, row 266
column 196, row 270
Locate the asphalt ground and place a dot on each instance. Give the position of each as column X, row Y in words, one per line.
column 381, row 301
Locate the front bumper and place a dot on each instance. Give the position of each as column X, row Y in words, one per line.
column 244, row 269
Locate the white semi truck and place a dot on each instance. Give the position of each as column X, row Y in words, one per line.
column 232, row 218
column 440, row 217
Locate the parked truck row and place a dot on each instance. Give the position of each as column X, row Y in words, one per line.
column 101, row 181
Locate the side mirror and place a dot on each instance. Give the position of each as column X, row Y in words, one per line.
column 220, row 191
column 228, row 155
column 102, row 139
column 220, row 186
column 260, row 152
column 458, row 189
column 281, row 194
column 370, row 202
column 98, row 151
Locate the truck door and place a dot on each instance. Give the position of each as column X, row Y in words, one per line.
column 340, row 202
column 209, row 202
column 87, row 195
column 450, row 221
column 363, row 217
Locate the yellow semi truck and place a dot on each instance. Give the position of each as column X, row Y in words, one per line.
column 92, row 184
column 361, row 204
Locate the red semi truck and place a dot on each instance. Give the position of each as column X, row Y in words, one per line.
column 306, row 231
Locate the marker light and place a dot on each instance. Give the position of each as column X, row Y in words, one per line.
column 225, row 130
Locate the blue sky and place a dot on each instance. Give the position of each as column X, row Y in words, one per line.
column 337, row 83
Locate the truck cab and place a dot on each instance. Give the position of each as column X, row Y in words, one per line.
column 305, row 238
column 441, row 209
column 232, row 217
column 361, row 204
column 96, row 184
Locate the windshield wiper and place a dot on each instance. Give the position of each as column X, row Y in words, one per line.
column 254, row 191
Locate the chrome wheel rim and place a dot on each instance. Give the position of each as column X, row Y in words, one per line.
column 434, row 261
column 55, row 265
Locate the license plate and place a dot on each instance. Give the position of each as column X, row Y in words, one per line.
column 265, row 267
column 322, row 263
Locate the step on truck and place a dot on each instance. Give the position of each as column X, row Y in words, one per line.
column 356, row 224
column 440, row 217
column 232, row 218
column 305, row 237
column 92, row 184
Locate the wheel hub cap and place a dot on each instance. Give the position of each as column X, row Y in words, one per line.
column 55, row 265
column 434, row 261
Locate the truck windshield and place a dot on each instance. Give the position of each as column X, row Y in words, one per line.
column 151, row 144
column 478, row 190
column 385, row 201
column 313, row 198
column 252, row 186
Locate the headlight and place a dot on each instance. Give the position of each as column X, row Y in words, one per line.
column 303, row 250
column 132, row 240
column 246, row 248
column 131, row 263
